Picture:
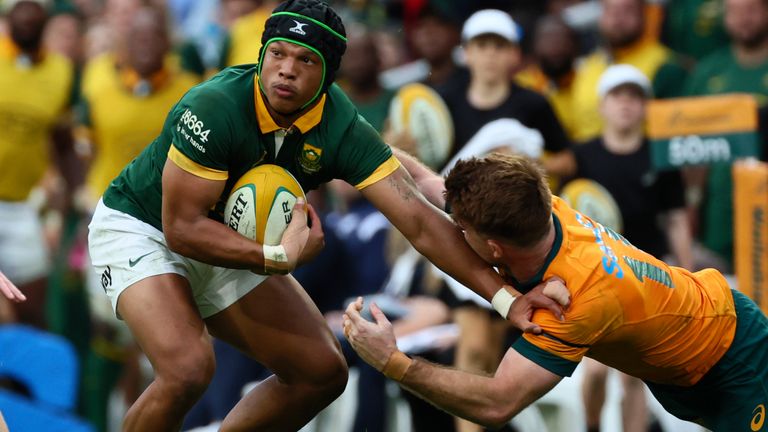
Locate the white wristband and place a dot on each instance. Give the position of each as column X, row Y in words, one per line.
column 502, row 301
column 274, row 253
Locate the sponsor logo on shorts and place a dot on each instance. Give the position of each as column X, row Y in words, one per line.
column 309, row 158
column 298, row 28
column 106, row 279
column 133, row 262
column 758, row 417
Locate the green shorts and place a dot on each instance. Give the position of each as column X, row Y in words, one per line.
column 733, row 395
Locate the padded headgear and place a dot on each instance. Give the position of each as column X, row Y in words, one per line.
column 312, row 24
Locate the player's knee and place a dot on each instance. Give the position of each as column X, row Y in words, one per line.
column 332, row 373
column 326, row 373
column 188, row 375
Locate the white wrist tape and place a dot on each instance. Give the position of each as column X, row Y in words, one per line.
column 502, row 301
column 274, row 253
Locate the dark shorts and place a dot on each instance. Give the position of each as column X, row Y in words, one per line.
column 733, row 395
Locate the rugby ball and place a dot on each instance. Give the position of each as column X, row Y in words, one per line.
column 593, row 200
column 261, row 203
column 420, row 111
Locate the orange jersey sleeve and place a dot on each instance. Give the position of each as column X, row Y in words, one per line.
column 628, row 309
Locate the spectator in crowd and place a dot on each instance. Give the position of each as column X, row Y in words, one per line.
column 35, row 92
column 622, row 26
column 694, row 28
column 359, row 77
column 741, row 67
column 620, row 161
column 555, row 49
column 434, row 36
column 490, row 41
column 242, row 43
column 122, row 108
column 118, row 16
column 63, row 35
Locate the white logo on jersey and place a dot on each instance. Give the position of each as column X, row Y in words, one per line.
column 299, row 28
column 196, row 127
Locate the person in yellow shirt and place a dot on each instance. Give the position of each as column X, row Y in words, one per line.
column 700, row 346
column 622, row 28
column 35, row 91
column 123, row 106
column 243, row 42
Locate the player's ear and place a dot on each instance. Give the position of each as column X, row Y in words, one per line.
column 495, row 248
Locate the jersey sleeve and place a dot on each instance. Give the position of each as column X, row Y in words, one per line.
column 563, row 344
column 363, row 157
column 201, row 136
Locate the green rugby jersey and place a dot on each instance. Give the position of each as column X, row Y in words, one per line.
column 221, row 128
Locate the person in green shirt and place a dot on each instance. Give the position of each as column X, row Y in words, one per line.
column 174, row 272
column 359, row 72
column 741, row 67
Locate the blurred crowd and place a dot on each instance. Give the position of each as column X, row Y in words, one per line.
column 85, row 85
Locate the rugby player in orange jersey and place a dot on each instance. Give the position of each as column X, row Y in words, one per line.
column 700, row 346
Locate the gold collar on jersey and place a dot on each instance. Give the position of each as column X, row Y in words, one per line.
column 267, row 124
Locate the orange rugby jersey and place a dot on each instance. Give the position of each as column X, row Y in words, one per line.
column 628, row 309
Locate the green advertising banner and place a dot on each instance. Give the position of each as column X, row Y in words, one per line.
column 689, row 150
column 702, row 130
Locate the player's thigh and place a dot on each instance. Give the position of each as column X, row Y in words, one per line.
column 162, row 316
column 277, row 324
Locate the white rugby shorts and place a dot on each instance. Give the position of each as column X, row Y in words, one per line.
column 23, row 252
column 125, row 250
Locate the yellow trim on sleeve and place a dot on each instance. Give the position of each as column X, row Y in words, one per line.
column 193, row 167
column 267, row 124
column 388, row 167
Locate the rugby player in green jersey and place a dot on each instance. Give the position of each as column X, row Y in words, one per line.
column 174, row 272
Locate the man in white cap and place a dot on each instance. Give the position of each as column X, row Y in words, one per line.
column 619, row 160
column 490, row 39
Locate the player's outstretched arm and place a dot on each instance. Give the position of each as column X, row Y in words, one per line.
column 187, row 199
column 429, row 183
column 488, row 400
column 435, row 236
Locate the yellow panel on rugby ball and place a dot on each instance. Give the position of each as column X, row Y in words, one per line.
column 260, row 204
column 593, row 200
column 418, row 109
